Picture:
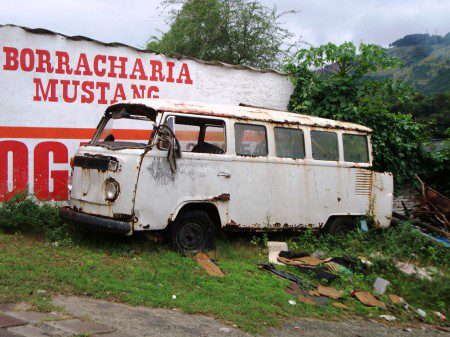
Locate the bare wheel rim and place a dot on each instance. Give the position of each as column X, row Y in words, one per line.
column 190, row 236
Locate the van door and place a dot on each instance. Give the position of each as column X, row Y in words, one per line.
column 250, row 181
column 202, row 175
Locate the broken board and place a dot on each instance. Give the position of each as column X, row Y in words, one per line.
column 209, row 266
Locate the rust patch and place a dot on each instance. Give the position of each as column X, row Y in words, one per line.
column 222, row 197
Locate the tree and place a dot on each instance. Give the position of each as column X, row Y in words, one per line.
column 330, row 82
column 241, row 32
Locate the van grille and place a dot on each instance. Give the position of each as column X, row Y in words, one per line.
column 363, row 182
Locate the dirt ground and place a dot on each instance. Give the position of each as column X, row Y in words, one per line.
column 140, row 321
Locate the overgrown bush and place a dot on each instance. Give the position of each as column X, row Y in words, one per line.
column 331, row 82
column 25, row 215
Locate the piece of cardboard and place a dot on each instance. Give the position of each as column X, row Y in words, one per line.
column 368, row 299
column 395, row 299
column 306, row 300
column 210, row 268
column 329, row 292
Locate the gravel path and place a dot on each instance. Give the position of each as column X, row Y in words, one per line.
column 142, row 322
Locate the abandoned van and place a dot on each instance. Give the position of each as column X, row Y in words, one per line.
column 189, row 170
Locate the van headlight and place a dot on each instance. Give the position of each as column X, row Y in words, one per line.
column 111, row 189
column 69, row 183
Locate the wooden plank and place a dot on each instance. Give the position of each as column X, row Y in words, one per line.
column 206, row 263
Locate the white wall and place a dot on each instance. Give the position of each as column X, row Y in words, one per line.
column 38, row 136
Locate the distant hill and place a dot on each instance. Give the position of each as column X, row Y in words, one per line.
column 426, row 62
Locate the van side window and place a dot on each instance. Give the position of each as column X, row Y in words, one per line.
column 250, row 140
column 200, row 135
column 324, row 145
column 356, row 149
column 289, row 143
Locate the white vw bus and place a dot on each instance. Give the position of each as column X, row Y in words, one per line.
column 189, row 170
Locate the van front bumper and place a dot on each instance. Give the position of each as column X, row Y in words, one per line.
column 96, row 222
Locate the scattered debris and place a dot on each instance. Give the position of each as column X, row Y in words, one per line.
column 329, row 292
column 306, row 300
column 411, row 269
column 421, row 313
column 340, row 305
column 380, row 285
column 368, row 299
column 280, row 273
column 210, row 268
column 313, row 293
column 431, row 215
column 396, row 299
column 275, row 247
column 388, row 317
column 292, row 302
column 441, row 316
column 318, row 254
column 363, row 226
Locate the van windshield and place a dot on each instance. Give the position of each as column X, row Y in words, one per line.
column 123, row 132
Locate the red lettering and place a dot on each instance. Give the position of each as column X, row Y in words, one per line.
column 49, row 94
column 19, row 168
column 119, row 93
column 43, row 174
column 102, row 86
column 184, row 72
column 83, row 63
column 65, row 85
column 43, row 61
column 11, row 61
column 87, row 88
column 170, row 66
column 152, row 90
column 156, row 70
column 97, row 59
column 26, row 59
column 113, row 66
column 136, row 93
column 138, row 67
column 63, row 63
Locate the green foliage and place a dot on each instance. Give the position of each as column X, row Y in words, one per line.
column 330, row 82
column 242, row 32
column 431, row 110
column 24, row 215
column 420, row 39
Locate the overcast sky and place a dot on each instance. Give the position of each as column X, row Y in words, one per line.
column 319, row 21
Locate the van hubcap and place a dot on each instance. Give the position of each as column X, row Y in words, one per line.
column 190, row 236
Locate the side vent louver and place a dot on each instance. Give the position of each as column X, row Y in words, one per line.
column 363, row 182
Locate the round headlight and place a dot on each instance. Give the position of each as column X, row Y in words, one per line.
column 111, row 189
column 69, row 184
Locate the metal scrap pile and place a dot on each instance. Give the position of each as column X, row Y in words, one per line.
column 431, row 214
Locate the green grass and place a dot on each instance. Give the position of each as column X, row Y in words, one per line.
column 137, row 272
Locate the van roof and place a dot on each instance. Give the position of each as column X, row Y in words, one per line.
column 246, row 113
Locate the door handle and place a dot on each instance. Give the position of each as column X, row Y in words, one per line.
column 224, row 174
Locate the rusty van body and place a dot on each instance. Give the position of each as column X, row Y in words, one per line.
column 192, row 169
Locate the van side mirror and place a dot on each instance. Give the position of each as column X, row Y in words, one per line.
column 170, row 123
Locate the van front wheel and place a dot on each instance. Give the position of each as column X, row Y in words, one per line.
column 192, row 231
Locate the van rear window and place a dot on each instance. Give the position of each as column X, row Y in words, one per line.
column 324, row 145
column 289, row 143
column 355, row 148
column 250, row 140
